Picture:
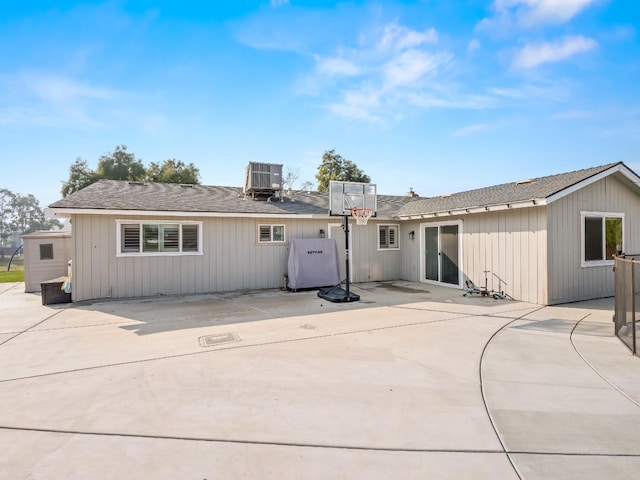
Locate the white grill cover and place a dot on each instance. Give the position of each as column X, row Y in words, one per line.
column 313, row 263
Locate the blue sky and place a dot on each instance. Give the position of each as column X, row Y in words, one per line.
column 437, row 96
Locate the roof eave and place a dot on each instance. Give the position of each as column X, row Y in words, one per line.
column 536, row 202
column 617, row 168
column 68, row 212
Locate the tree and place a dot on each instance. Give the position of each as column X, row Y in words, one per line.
column 80, row 176
column 27, row 216
column 7, row 198
column 121, row 165
column 289, row 178
column 306, row 185
column 172, row 171
column 335, row 167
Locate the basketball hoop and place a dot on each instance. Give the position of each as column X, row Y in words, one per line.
column 362, row 215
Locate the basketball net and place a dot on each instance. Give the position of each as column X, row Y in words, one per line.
column 362, row 215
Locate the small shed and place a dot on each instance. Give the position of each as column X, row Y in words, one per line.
column 46, row 255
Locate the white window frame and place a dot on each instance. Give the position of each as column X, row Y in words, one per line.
column 271, row 241
column 388, row 226
column 603, row 215
column 141, row 223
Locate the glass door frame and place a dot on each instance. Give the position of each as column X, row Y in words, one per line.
column 423, row 269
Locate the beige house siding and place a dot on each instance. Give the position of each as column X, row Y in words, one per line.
column 410, row 261
column 368, row 263
column 232, row 259
column 37, row 271
column 512, row 244
column 568, row 280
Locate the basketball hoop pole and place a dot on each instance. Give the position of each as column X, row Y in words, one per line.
column 345, row 227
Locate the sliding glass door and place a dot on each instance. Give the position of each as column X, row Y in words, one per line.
column 442, row 253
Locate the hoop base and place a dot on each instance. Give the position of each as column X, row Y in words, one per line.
column 338, row 294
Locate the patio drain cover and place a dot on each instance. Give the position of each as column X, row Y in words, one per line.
column 218, row 339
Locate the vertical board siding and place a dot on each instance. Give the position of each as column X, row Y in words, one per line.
column 37, row 271
column 232, row 259
column 511, row 244
column 568, row 280
column 533, row 254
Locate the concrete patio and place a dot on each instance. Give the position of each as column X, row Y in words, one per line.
column 413, row 381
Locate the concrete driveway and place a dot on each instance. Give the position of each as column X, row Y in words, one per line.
column 413, row 381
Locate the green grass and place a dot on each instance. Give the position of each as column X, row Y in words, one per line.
column 16, row 273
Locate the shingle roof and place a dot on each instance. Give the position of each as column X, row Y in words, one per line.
column 507, row 193
column 167, row 197
column 110, row 195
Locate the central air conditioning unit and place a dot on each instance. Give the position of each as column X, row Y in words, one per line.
column 263, row 179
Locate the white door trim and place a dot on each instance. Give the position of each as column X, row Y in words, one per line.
column 423, row 268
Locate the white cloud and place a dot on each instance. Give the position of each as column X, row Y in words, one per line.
column 387, row 69
column 571, row 115
column 471, row 129
column 398, row 37
column 512, row 93
column 411, row 66
column 529, row 13
column 52, row 100
column 358, row 104
column 60, row 89
column 532, row 55
column 450, row 99
column 552, row 11
column 473, row 45
column 337, row 66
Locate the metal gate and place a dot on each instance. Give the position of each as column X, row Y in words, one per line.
column 627, row 289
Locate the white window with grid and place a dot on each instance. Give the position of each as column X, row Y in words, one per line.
column 158, row 238
column 388, row 237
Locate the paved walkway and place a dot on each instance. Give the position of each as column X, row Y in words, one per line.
column 413, row 381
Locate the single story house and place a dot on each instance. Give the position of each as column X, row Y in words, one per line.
column 545, row 240
column 133, row 239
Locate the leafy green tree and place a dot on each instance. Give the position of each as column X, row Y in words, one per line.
column 7, row 198
column 121, row 165
column 173, row 171
column 335, row 167
column 80, row 176
column 27, row 216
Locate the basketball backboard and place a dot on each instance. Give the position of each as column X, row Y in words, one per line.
column 344, row 196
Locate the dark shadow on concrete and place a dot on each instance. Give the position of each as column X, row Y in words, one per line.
column 150, row 315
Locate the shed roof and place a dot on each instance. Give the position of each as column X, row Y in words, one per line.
column 107, row 196
column 527, row 193
column 40, row 234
